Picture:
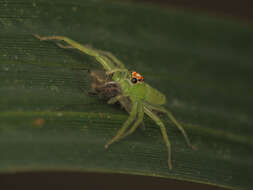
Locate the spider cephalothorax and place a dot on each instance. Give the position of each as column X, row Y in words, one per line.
column 128, row 88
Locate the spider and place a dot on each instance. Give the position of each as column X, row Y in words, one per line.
column 129, row 89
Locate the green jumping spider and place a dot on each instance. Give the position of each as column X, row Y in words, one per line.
column 128, row 88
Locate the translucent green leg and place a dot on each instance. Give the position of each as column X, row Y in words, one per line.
column 64, row 47
column 179, row 126
column 163, row 131
column 103, row 60
column 130, row 119
column 140, row 117
column 113, row 100
column 113, row 58
column 173, row 119
column 115, row 70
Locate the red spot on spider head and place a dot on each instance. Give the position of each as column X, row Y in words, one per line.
column 137, row 76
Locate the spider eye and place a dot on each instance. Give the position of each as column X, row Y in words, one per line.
column 134, row 80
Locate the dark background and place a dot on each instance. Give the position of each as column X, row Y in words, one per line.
column 236, row 9
column 93, row 181
column 239, row 10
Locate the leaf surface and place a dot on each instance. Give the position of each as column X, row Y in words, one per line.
column 203, row 65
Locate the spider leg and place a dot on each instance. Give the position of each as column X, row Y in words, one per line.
column 163, row 131
column 64, row 47
column 124, row 127
column 115, row 70
column 102, row 59
column 139, row 120
column 173, row 119
column 113, row 100
column 125, row 102
column 113, row 58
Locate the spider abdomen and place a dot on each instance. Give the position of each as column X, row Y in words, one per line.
column 154, row 97
column 144, row 92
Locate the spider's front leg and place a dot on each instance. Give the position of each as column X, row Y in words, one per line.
column 124, row 127
column 116, row 70
column 113, row 100
column 107, row 60
column 139, row 120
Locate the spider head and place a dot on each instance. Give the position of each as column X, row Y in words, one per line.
column 136, row 77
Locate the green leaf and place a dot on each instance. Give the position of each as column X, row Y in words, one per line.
column 202, row 64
